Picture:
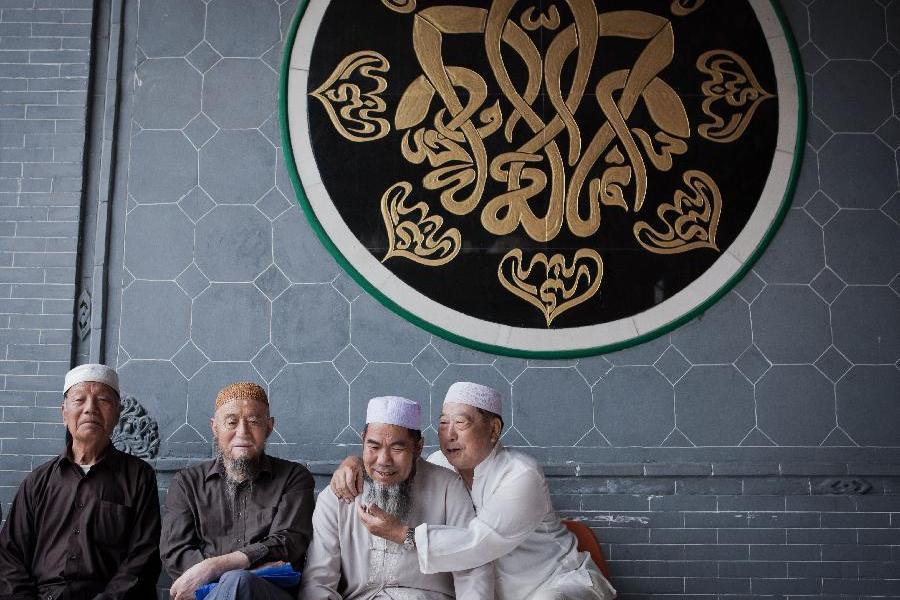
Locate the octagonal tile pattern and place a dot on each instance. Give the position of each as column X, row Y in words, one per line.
column 537, row 389
column 156, row 317
column 796, row 254
column 867, row 405
column 383, row 336
column 719, row 335
column 239, row 111
column 863, row 246
column 164, row 167
column 837, row 100
column 866, row 320
column 233, row 243
column 790, row 324
column 626, row 391
column 242, row 27
column 788, row 391
column 299, row 252
column 310, row 323
column 829, row 20
column 167, row 231
column 237, row 167
column 311, row 403
column 167, row 94
column 857, row 170
column 230, row 321
column 714, row 405
column 170, row 27
column 226, row 280
column 160, row 388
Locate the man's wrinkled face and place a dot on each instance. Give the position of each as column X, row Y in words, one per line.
column 241, row 428
column 90, row 411
column 389, row 453
column 466, row 436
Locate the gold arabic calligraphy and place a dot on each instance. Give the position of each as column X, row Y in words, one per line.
column 550, row 173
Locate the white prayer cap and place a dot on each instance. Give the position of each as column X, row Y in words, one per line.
column 394, row 410
column 475, row 394
column 92, row 372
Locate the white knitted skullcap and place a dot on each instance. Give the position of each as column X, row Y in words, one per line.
column 394, row 410
column 92, row 372
column 475, row 394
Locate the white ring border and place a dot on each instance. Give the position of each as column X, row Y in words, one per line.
column 551, row 340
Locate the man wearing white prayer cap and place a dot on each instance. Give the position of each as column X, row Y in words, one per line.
column 85, row 524
column 346, row 561
column 534, row 556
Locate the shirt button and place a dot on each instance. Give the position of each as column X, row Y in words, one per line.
column 240, row 514
column 73, row 556
column 76, row 531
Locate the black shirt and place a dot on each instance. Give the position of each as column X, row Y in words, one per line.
column 71, row 535
column 267, row 519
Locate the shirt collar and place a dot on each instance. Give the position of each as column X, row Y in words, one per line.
column 109, row 457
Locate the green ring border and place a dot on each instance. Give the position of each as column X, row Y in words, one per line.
column 799, row 146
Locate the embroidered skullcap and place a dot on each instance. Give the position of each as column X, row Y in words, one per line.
column 241, row 390
column 92, row 372
column 394, row 410
column 475, row 394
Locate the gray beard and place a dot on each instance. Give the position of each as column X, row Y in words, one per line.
column 237, row 470
column 395, row 500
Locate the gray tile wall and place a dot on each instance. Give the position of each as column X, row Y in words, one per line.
column 44, row 66
column 212, row 236
column 750, row 453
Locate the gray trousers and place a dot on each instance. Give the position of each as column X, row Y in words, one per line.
column 241, row 584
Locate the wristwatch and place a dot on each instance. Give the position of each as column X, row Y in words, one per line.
column 409, row 542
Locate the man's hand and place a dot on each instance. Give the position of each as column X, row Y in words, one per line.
column 186, row 585
column 270, row 564
column 205, row 571
column 381, row 524
column 347, row 481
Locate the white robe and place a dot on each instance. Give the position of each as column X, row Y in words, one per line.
column 344, row 561
column 517, row 528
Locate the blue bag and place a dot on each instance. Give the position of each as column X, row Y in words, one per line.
column 284, row 577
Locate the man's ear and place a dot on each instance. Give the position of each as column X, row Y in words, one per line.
column 213, row 425
column 496, row 429
column 419, row 446
column 271, row 427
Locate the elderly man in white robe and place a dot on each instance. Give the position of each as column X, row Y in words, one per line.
column 345, row 561
column 535, row 556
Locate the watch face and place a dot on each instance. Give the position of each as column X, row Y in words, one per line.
column 543, row 177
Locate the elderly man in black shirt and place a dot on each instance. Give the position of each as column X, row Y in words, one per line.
column 86, row 524
column 240, row 511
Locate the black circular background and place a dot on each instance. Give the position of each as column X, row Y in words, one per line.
column 357, row 174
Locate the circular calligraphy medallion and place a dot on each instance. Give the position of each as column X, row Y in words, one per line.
column 543, row 177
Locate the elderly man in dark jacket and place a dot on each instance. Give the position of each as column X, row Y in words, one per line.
column 239, row 511
column 85, row 524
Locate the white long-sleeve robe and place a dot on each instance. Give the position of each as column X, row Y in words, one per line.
column 516, row 527
column 344, row 561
